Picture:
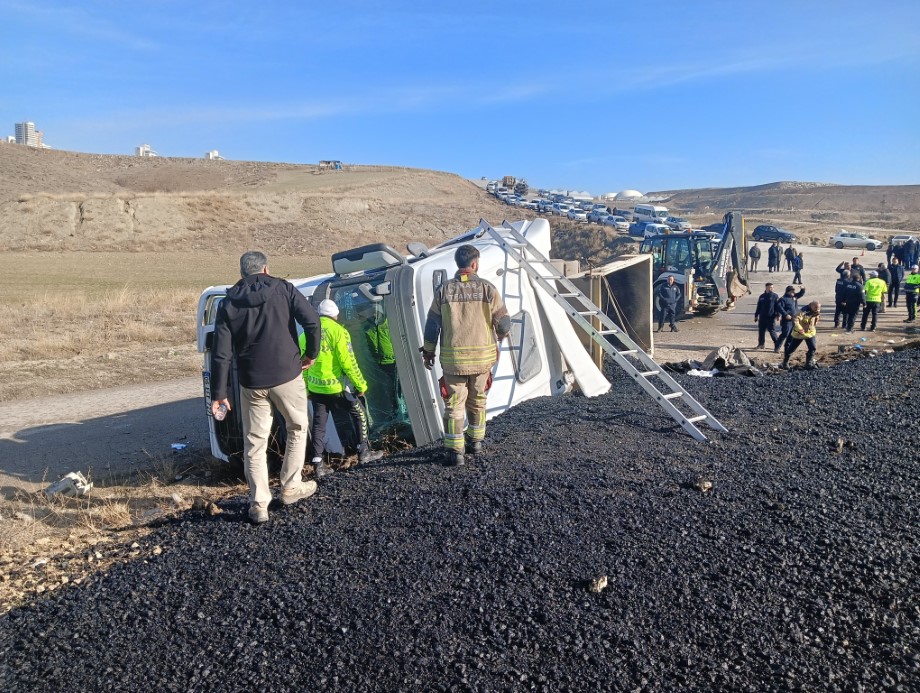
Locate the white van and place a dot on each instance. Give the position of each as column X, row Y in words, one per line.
column 652, row 213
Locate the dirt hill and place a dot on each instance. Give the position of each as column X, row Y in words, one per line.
column 885, row 209
column 51, row 200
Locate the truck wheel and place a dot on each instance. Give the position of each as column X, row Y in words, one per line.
column 838, row 245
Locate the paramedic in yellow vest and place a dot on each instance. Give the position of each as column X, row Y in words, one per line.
column 467, row 315
column 875, row 289
column 380, row 344
column 327, row 389
column 804, row 329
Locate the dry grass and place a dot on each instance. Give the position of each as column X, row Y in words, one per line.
column 80, row 321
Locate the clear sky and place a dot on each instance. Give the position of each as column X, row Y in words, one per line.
column 601, row 96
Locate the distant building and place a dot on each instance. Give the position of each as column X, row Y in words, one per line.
column 10, row 139
column 330, row 164
column 213, row 155
column 27, row 134
column 144, row 150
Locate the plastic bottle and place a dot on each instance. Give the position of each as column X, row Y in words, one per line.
column 221, row 413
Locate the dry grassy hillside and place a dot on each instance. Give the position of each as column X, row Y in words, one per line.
column 52, row 200
column 883, row 209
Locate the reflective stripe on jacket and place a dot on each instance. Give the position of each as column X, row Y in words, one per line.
column 466, row 315
column 336, row 359
column 804, row 325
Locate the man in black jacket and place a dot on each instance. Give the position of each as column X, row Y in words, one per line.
column 854, row 297
column 773, row 255
column 840, row 298
column 896, row 272
column 765, row 316
column 668, row 299
column 787, row 307
column 257, row 323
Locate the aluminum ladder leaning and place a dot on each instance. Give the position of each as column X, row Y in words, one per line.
column 579, row 308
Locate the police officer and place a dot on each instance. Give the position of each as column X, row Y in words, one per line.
column 911, row 290
column 840, row 298
column 327, row 391
column 669, row 297
column 875, row 289
column 787, row 307
column 853, row 297
column 765, row 316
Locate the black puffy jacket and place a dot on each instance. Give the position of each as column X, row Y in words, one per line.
column 257, row 323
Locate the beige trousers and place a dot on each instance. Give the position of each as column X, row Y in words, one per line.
column 290, row 399
column 466, row 394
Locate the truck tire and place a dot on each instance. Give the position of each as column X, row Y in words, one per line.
column 838, row 245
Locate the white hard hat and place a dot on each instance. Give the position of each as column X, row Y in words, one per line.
column 328, row 308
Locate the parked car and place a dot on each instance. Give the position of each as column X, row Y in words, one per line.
column 677, row 223
column 656, row 230
column 577, row 214
column 765, row 232
column 895, row 241
column 597, row 215
column 619, row 223
column 561, row 209
column 848, row 239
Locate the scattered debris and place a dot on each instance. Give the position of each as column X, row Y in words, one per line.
column 179, row 446
column 73, row 485
column 213, row 509
column 177, row 500
column 199, row 504
column 598, row 584
column 703, row 485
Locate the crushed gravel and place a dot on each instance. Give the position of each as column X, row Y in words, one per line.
column 593, row 546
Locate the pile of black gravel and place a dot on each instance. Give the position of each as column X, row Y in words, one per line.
column 797, row 570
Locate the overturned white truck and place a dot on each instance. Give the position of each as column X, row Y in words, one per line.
column 380, row 291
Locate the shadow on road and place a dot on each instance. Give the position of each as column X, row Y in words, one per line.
column 107, row 447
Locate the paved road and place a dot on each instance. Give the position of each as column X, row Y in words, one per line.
column 107, row 431
column 699, row 335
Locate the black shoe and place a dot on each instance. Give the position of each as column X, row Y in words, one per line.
column 660, row 329
column 872, row 330
column 321, row 469
column 454, row 459
column 674, row 328
column 367, row 455
column 473, row 447
column 761, row 346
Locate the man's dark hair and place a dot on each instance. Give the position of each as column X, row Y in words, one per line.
column 465, row 255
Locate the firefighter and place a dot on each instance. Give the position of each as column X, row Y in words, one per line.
column 466, row 316
column 911, row 289
column 327, row 391
column 804, row 329
column 875, row 290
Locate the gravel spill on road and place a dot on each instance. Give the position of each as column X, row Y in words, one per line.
column 593, row 546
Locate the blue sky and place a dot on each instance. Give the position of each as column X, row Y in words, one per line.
column 600, row 96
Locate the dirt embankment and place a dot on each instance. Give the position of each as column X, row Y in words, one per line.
column 65, row 201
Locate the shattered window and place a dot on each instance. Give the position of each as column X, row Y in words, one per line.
column 524, row 353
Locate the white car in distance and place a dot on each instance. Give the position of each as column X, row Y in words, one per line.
column 577, row 214
column 849, row 239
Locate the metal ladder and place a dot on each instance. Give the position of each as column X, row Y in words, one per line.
column 579, row 308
